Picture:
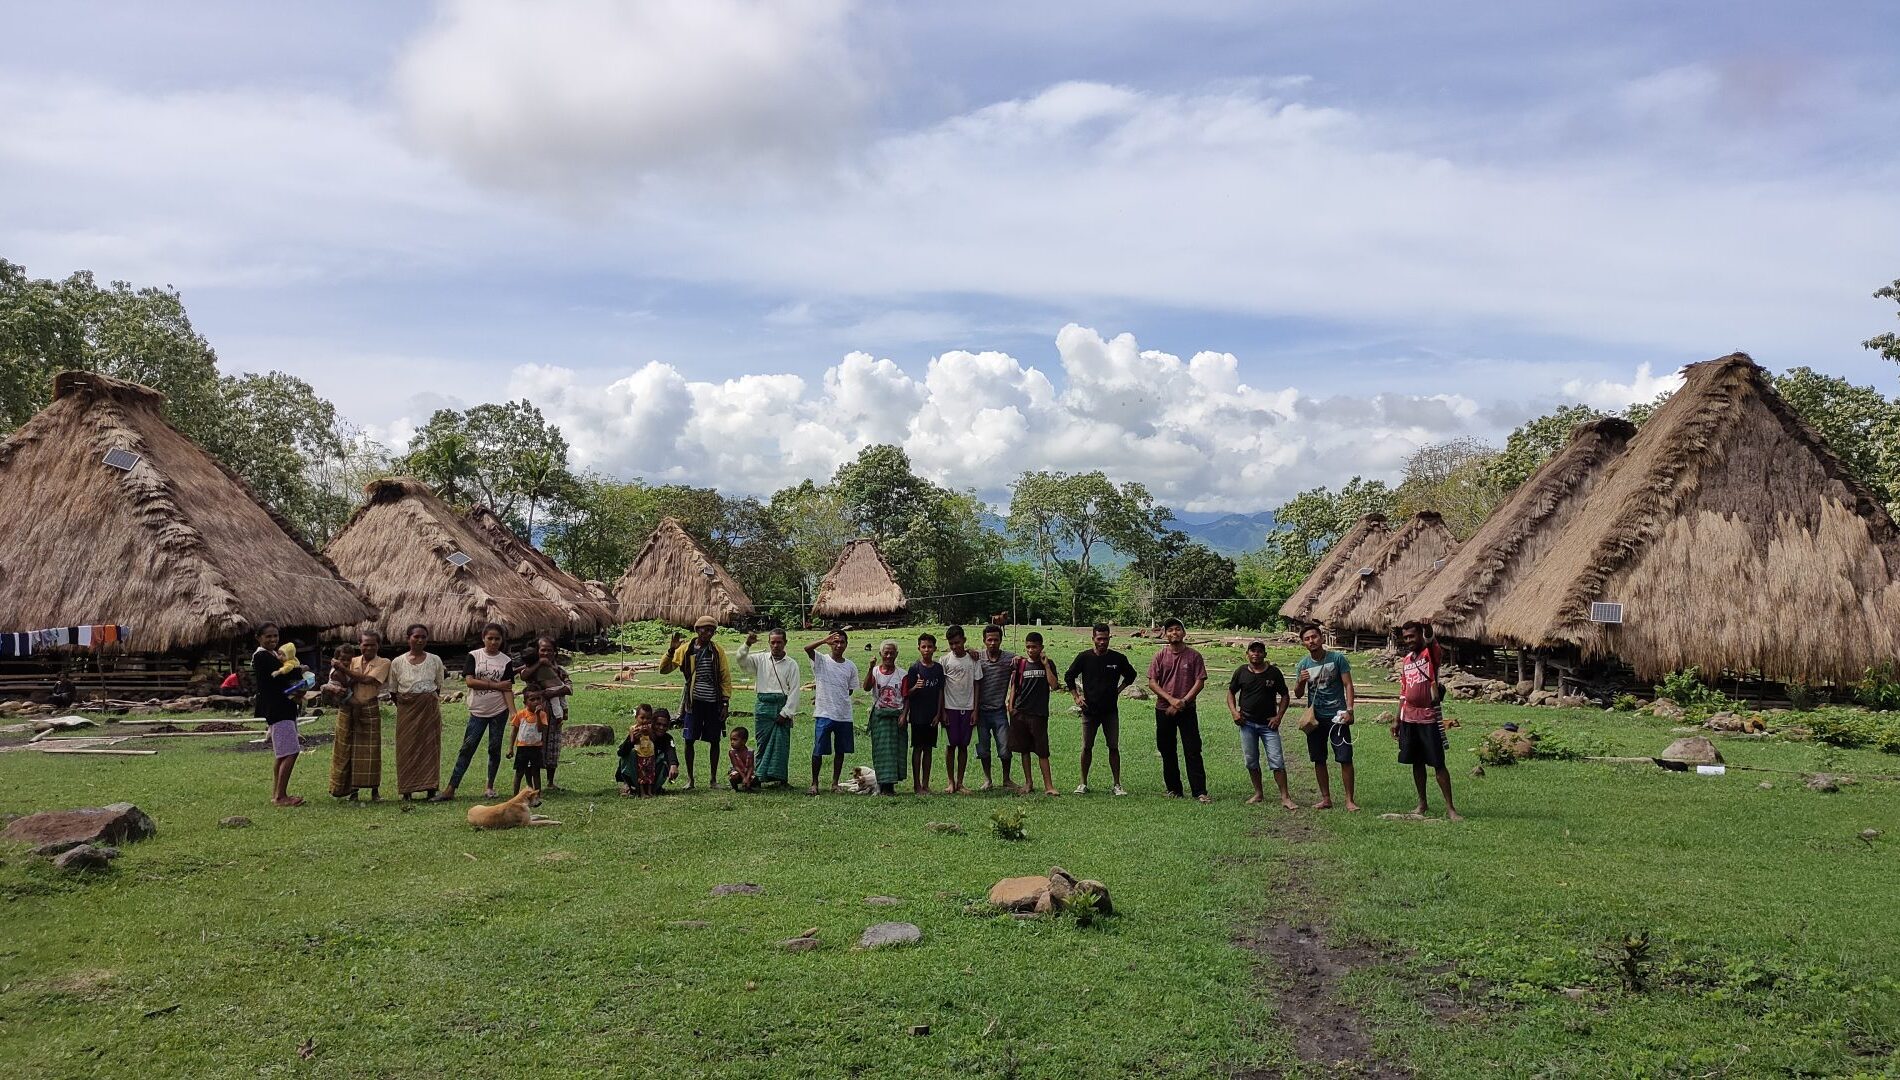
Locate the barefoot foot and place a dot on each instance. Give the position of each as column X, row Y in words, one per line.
column 1323, row 804
column 1255, row 800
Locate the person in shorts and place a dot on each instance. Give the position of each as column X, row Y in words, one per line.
column 835, row 678
column 1420, row 727
column 707, row 695
column 1258, row 699
column 923, row 710
column 1097, row 678
column 992, row 712
column 528, row 740
column 279, row 711
column 1324, row 678
column 1027, row 700
column 962, row 673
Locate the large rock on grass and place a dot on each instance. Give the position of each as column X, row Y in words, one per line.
column 86, row 857
column 119, row 823
column 1019, row 893
column 885, row 935
column 587, row 735
column 1694, row 750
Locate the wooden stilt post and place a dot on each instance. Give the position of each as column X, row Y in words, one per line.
column 1537, row 676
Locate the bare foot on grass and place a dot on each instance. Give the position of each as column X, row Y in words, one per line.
column 1255, row 800
column 1453, row 815
column 1352, row 807
column 1323, row 804
column 1289, row 804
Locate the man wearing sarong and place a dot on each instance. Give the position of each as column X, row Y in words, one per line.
column 415, row 682
column 707, row 695
column 776, row 677
column 890, row 742
column 356, row 760
column 544, row 673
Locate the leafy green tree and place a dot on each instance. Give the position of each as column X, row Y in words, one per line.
column 1454, row 478
column 1178, row 577
column 1060, row 519
column 506, row 456
column 817, row 522
column 933, row 537
column 1307, row 525
column 1535, row 442
column 1887, row 344
column 1860, row 423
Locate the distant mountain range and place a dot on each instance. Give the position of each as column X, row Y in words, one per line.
column 1232, row 535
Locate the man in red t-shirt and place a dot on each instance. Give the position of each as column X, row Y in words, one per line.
column 1420, row 727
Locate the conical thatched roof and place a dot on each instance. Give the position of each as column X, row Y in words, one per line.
column 397, row 547
column 176, row 547
column 1735, row 540
column 1518, row 533
column 1365, row 536
column 603, row 595
column 1368, row 602
column 591, row 616
column 674, row 580
column 860, row 585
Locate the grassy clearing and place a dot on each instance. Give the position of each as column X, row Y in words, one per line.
column 402, row 944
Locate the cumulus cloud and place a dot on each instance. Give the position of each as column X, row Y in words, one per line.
column 1192, row 430
column 1612, row 396
column 574, row 95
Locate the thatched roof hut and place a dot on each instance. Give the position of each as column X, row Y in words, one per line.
column 860, row 585
column 421, row 562
column 161, row 537
column 1365, row 536
column 673, row 579
column 1366, row 598
column 603, row 594
column 591, row 615
column 1734, row 540
column 1519, row 533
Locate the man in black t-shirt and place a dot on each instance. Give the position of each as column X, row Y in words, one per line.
column 1097, row 679
column 1257, row 698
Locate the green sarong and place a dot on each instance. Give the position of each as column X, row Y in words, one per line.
column 890, row 746
column 775, row 738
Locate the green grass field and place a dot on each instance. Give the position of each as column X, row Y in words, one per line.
column 393, row 941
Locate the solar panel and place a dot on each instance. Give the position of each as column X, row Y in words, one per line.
column 1365, row 571
column 458, row 560
column 122, row 459
column 1601, row 612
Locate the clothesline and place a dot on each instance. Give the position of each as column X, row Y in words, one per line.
column 90, row 636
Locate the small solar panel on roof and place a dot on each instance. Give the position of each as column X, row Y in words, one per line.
column 458, row 560
column 120, row 458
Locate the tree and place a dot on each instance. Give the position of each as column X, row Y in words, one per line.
column 1175, row 576
column 1308, row 525
column 1061, row 518
column 506, row 457
column 1887, row 344
column 816, row 522
column 1858, row 422
column 1453, row 478
column 1535, row 442
column 933, row 537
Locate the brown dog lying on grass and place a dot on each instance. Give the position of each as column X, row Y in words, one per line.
column 509, row 815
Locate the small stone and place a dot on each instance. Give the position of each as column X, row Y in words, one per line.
column 751, row 985
column 1870, row 835
column 920, row 1029
column 57, row 847
column 1478, row 772
column 745, row 888
column 1103, row 906
column 1019, row 893
column 1765, row 786
column 688, row 924
column 799, row 944
column 1574, row 993
column 588, row 735
column 950, row 827
column 1823, row 782
column 1045, row 903
column 886, row 934
column 86, row 857
column 235, row 821
column 882, row 901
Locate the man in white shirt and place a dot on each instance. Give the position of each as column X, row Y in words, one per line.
column 835, row 677
column 962, row 671
column 776, row 678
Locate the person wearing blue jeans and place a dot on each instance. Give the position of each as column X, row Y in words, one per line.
column 490, row 675
column 1257, row 697
column 992, row 715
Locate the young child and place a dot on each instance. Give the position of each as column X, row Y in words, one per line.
column 333, row 691
column 527, row 737
column 627, row 773
column 646, row 759
column 287, row 655
column 663, row 741
column 923, row 709
column 739, row 756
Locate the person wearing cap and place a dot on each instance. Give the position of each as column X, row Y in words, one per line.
column 707, row 693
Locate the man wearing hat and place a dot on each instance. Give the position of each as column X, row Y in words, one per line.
column 707, row 693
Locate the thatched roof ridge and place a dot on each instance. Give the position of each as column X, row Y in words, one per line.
column 673, row 579
column 1365, row 598
column 396, row 547
column 1365, row 535
column 177, row 547
column 591, row 615
column 860, row 585
column 1518, row 532
column 1734, row 537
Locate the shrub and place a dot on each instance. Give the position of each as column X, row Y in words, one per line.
column 1802, row 696
column 649, row 636
column 1687, row 689
column 1567, row 745
column 1007, row 824
column 1851, row 729
column 1626, row 703
column 1879, row 688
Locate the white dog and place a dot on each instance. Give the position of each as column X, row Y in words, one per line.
column 862, row 781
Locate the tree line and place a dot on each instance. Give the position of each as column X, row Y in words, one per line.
column 1070, row 547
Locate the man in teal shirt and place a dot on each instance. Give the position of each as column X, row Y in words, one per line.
column 1325, row 680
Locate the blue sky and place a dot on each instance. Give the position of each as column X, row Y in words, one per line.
column 1230, row 250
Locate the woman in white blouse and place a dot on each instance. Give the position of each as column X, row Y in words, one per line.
column 415, row 681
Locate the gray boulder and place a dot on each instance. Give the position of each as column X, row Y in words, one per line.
column 888, row 934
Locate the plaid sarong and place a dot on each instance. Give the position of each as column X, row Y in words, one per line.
column 551, row 746
column 775, row 738
column 356, row 758
column 418, row 743
column 890, row 746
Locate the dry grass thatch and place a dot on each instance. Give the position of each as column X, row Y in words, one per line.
column 1367, row 597
column 591, row 614
column 1735, row 540
column 603, row 595
column 1518, row 533
column 860, row 585
column 396, row 547
column 673, row 579
column 1364, row 537
column 177, row 548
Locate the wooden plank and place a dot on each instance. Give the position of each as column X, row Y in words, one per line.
column 76, row 750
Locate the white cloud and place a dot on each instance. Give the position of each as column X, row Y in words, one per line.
column 1611, row 396
column 1191, row 430
column 575, row 95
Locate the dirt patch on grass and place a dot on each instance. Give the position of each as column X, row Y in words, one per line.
column 1305, row 970
column 81, row 983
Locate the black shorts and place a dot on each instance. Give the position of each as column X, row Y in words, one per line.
column 1422, row 744
column 527, row 759
column 923, row 736
column 1029, row 734
column 1110, row 725
column 1328, row 734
